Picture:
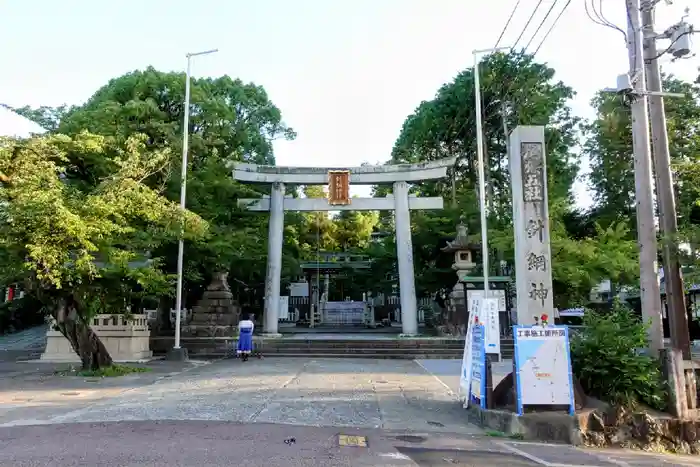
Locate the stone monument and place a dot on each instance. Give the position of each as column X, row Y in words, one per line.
column 533, row 257
column 217, row 313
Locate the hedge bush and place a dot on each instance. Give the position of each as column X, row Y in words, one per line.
column 607, row 360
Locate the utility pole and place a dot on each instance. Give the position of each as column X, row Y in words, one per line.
column 646, row 230
column 673, row 280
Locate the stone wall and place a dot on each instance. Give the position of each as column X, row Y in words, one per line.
column 125, row 340
column 619, row 427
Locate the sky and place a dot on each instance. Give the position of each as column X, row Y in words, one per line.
column 345, row 74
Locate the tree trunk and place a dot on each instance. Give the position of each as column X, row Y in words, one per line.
column 86, row 344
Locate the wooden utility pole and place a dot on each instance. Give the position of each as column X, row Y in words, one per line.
column 646, row 229
column 668, row 222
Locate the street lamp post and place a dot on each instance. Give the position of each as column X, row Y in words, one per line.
column 480, row 165
column 177, row 352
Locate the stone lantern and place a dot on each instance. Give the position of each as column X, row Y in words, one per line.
column 464, row 253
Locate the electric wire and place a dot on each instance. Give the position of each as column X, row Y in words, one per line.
column 552, row 26
column 599, row 14
column 510, row 18
column 549, row 12
column 526, row 25
column 599, row 19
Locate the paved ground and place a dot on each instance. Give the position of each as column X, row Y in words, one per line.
column 268, row 412
column 200, row 443
column 32, row 338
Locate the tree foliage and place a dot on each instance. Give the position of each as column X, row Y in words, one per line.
column 605, row 357
column 86, row 251
column 608, row 145
column 515, row 91
column 229, row 121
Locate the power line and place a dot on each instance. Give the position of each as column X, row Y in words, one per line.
column 599, row 18
column 551, row 28
column 549, row 12
column 510, row 18
column 527, row 24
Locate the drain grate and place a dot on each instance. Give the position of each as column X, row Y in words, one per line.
column 415, row 439
column 70, row 393
column 438, row 424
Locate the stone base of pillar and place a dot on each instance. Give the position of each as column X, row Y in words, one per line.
column 271, row 334
column 409, row 335
column 177, row 355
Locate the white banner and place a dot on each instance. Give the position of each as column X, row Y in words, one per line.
column 283, row 310
column 492, row 330
column 465, row 376
column 493, row 293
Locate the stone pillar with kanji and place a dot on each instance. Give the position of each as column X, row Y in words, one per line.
column 533, row 268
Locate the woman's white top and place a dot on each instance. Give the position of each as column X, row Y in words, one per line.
column 246, row 324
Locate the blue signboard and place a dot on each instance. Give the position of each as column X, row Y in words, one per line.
column 477, row 390
column 543, row 366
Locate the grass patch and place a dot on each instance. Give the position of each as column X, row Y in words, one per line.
column 106, row 372
column 500, row 434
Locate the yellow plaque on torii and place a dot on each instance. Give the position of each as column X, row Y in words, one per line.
column 339, row 187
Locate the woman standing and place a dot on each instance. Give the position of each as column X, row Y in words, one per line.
column 245, row 338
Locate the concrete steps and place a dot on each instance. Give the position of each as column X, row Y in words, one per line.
column 377, row 348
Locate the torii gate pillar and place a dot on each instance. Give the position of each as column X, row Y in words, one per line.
column 400, row 175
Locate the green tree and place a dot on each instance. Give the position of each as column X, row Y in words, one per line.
column 230, row 121
column 85, row 251
column 609, row 147
column 354, row 228
column 516, row 91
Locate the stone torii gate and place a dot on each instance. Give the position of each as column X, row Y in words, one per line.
column 339, row 180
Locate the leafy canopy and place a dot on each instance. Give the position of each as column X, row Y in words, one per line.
column 61, row 238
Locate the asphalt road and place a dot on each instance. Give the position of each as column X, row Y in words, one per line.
column 273, row 412
column 202, row 443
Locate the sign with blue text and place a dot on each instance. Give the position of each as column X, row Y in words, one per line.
column 477, row 391
column 543, row 367
column 465, row 374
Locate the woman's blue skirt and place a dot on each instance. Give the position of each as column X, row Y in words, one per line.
column 245, row 341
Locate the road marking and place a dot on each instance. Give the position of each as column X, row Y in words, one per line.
column 524, row 454
column 513, row 449
column 449, row 390
column 395, row 455
column 352, row 441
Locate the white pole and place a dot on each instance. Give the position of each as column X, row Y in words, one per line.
column 481, row 168
column 482, row 177
column 183, row 194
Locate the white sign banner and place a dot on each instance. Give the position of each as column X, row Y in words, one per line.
column 492, row 329
column 465, row 376
column 283, row 310
column 497, row 294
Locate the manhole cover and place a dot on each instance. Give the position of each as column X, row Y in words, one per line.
column 430, row 422
column 352, row 441
column 412, row 438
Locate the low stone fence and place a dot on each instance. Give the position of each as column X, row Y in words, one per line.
column 125, row 340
